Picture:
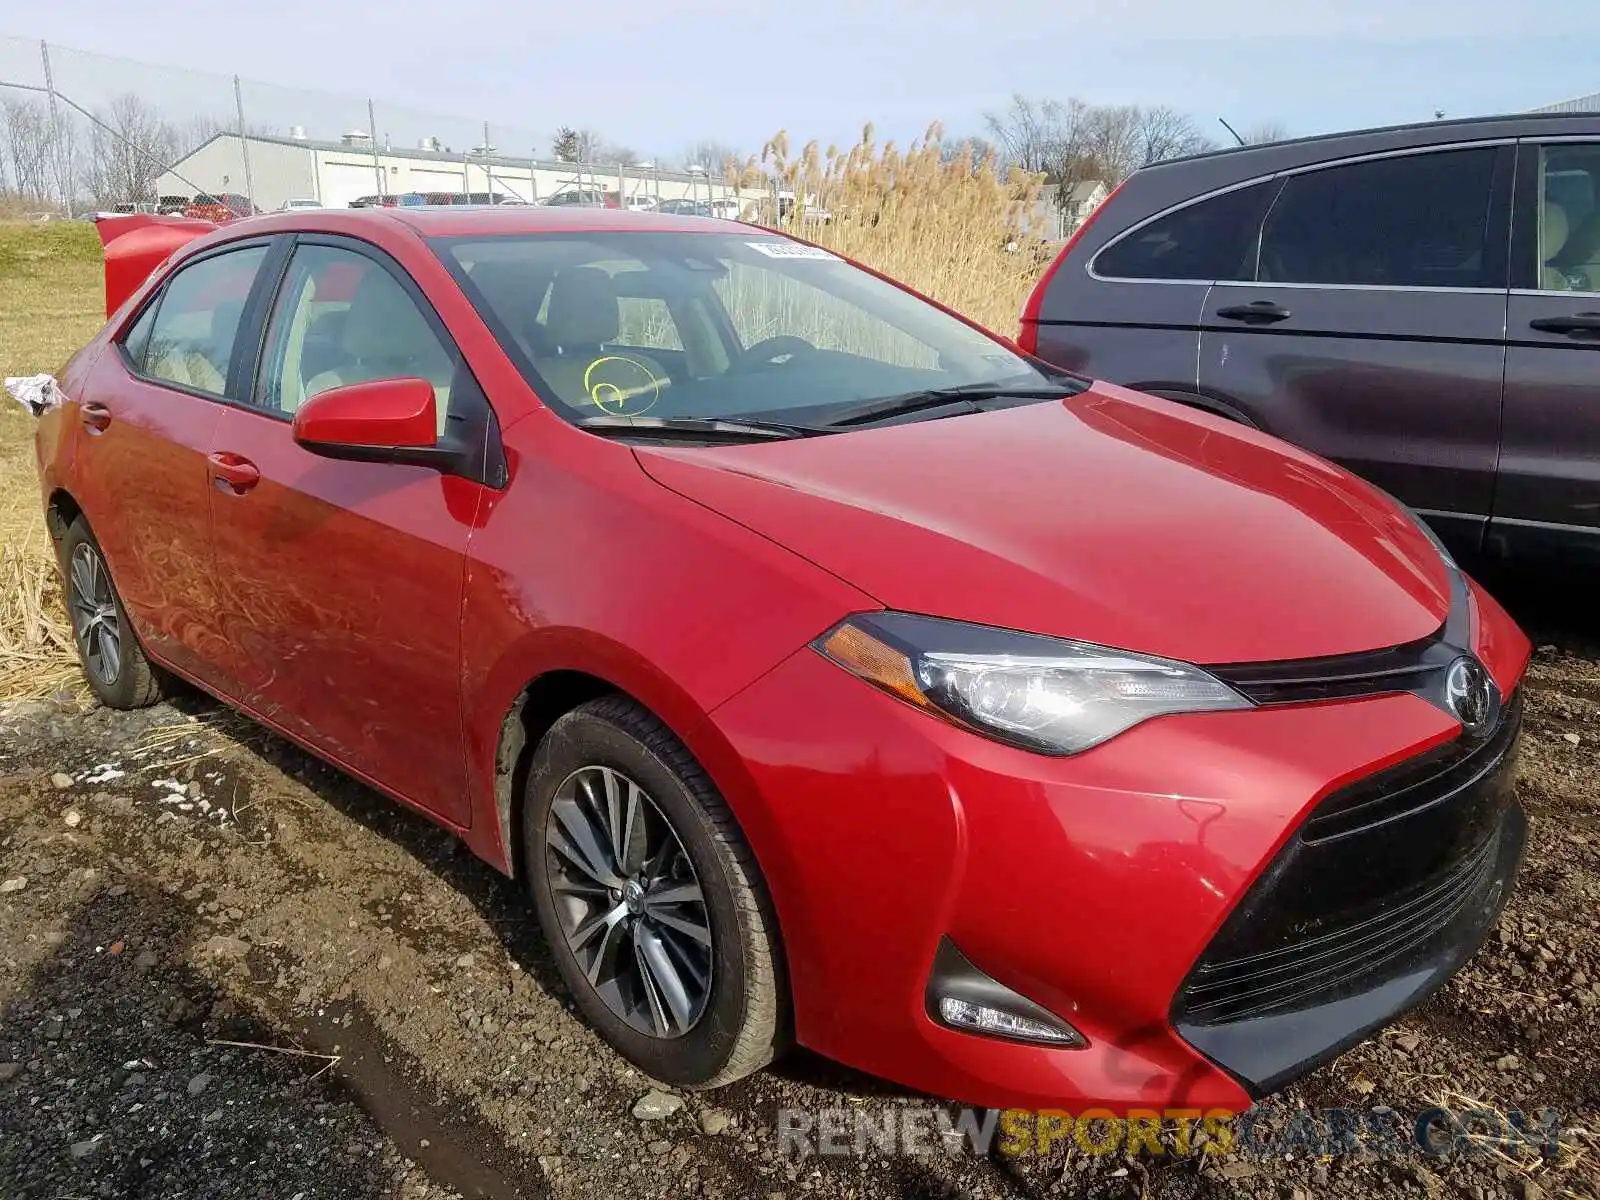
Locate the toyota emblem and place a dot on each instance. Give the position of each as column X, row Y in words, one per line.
column 1469, row 694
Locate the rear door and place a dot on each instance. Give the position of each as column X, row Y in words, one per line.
column 1132, row 315
column 345, row 579
column 1548, row 493
column 143, row 478
column 1373, row 329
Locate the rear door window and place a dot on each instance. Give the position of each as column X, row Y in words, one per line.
column 1209, row 240
column 191, row 338
column 1419, row 220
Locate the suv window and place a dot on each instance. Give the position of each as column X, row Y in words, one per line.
column 1421, row 220
column 1569, row 218
column 190, row 340
column 1210, row 240
column 341, row 318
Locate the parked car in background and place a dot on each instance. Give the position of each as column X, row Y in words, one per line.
column 223, row 206
column 824, row 669
column 299, row 205
column 582, row 197
column 1420, row 304
column 685, row 208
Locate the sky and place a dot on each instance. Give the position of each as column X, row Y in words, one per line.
column 658, row 76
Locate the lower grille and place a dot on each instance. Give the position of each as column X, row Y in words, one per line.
column 1382, row 893
column 1319, row 968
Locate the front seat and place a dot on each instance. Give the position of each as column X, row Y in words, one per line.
column 385, row 337
column 1554, row 229
column 582, row 317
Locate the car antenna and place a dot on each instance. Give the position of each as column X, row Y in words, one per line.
column 1231, row 130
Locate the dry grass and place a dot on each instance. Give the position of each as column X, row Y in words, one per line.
column 51, row 302
column 951, row 225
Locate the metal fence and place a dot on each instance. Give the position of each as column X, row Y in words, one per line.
column 82, row 131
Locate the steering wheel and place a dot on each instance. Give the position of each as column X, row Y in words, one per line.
column 768, row 351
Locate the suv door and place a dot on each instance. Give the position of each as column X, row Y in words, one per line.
column 345, row 579
column 1548, row 493
column 1133, row 314
column 141, row 473
column 1373, row 328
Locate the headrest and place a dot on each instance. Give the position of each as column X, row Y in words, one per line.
column 1553, row 231
column 383, row 322
column 583, row 308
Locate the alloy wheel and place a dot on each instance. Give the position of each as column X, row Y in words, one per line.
column 94, row 614
column 628, row 902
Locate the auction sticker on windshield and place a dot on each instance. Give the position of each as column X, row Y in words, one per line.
column 777, row 249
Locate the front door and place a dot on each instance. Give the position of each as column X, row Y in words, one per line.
column 160, row 392
column 346, row 578
column 1374, row 330
column 1548, row 497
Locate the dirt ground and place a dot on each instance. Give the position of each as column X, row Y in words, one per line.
column 228, row 971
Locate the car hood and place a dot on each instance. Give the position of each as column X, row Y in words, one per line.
column 1111, row 517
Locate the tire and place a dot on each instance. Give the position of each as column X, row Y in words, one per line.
column 123, row 679
column 737, row 1021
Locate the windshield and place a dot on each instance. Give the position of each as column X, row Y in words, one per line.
column 713, row 325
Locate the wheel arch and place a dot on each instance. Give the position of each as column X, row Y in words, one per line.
column 545, row 700
column 60, row 511
column 1219, row 406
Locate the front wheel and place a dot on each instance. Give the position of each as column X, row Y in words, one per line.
column 651, row 900
column 113, row 661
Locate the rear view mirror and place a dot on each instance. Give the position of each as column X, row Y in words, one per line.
column 381, row 420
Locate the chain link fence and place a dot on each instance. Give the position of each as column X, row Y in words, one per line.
column 83, row 132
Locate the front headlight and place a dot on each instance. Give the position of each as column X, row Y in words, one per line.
column 1052, row 695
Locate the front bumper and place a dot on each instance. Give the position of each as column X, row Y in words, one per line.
column 1092, row 885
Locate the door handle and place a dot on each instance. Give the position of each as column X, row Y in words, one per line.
column 1257, row 312
column 95, row 417
column 1574, row 326
column 233, row 472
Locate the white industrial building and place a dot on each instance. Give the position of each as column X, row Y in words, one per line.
column 274, row 170
column 1583, row 104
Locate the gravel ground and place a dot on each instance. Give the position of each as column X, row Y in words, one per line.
column 228, row 971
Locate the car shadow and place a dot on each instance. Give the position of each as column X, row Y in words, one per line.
column 1556, row 604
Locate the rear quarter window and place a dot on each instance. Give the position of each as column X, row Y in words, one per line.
column 1208, row 240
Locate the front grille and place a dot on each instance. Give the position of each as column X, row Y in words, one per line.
column 1414, row 785
column 1367, row 888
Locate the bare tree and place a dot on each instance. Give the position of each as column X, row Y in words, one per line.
column 1264, row 132
column 711, row 154
column 1163, row 132
column 1037, row 135
column 130, row 147
column 29, row 147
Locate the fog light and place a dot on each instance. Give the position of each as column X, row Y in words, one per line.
column 962, row 997
column 963, row 1014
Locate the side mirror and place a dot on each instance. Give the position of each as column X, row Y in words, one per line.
column 385, row 420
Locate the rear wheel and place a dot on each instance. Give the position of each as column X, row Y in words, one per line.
column 113, row 661
column 650, row 899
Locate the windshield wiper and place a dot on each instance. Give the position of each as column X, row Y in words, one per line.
column 692, row 429
column 971, row 394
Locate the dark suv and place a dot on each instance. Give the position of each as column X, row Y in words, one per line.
column 1420, row 304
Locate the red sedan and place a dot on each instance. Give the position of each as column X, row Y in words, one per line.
column 827, row 670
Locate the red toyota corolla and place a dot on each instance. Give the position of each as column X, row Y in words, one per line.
column 827, row 670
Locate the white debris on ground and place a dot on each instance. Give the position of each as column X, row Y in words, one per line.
column 36, row 393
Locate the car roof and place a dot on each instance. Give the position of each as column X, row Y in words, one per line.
column 491, row 220
column 1441, row 130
